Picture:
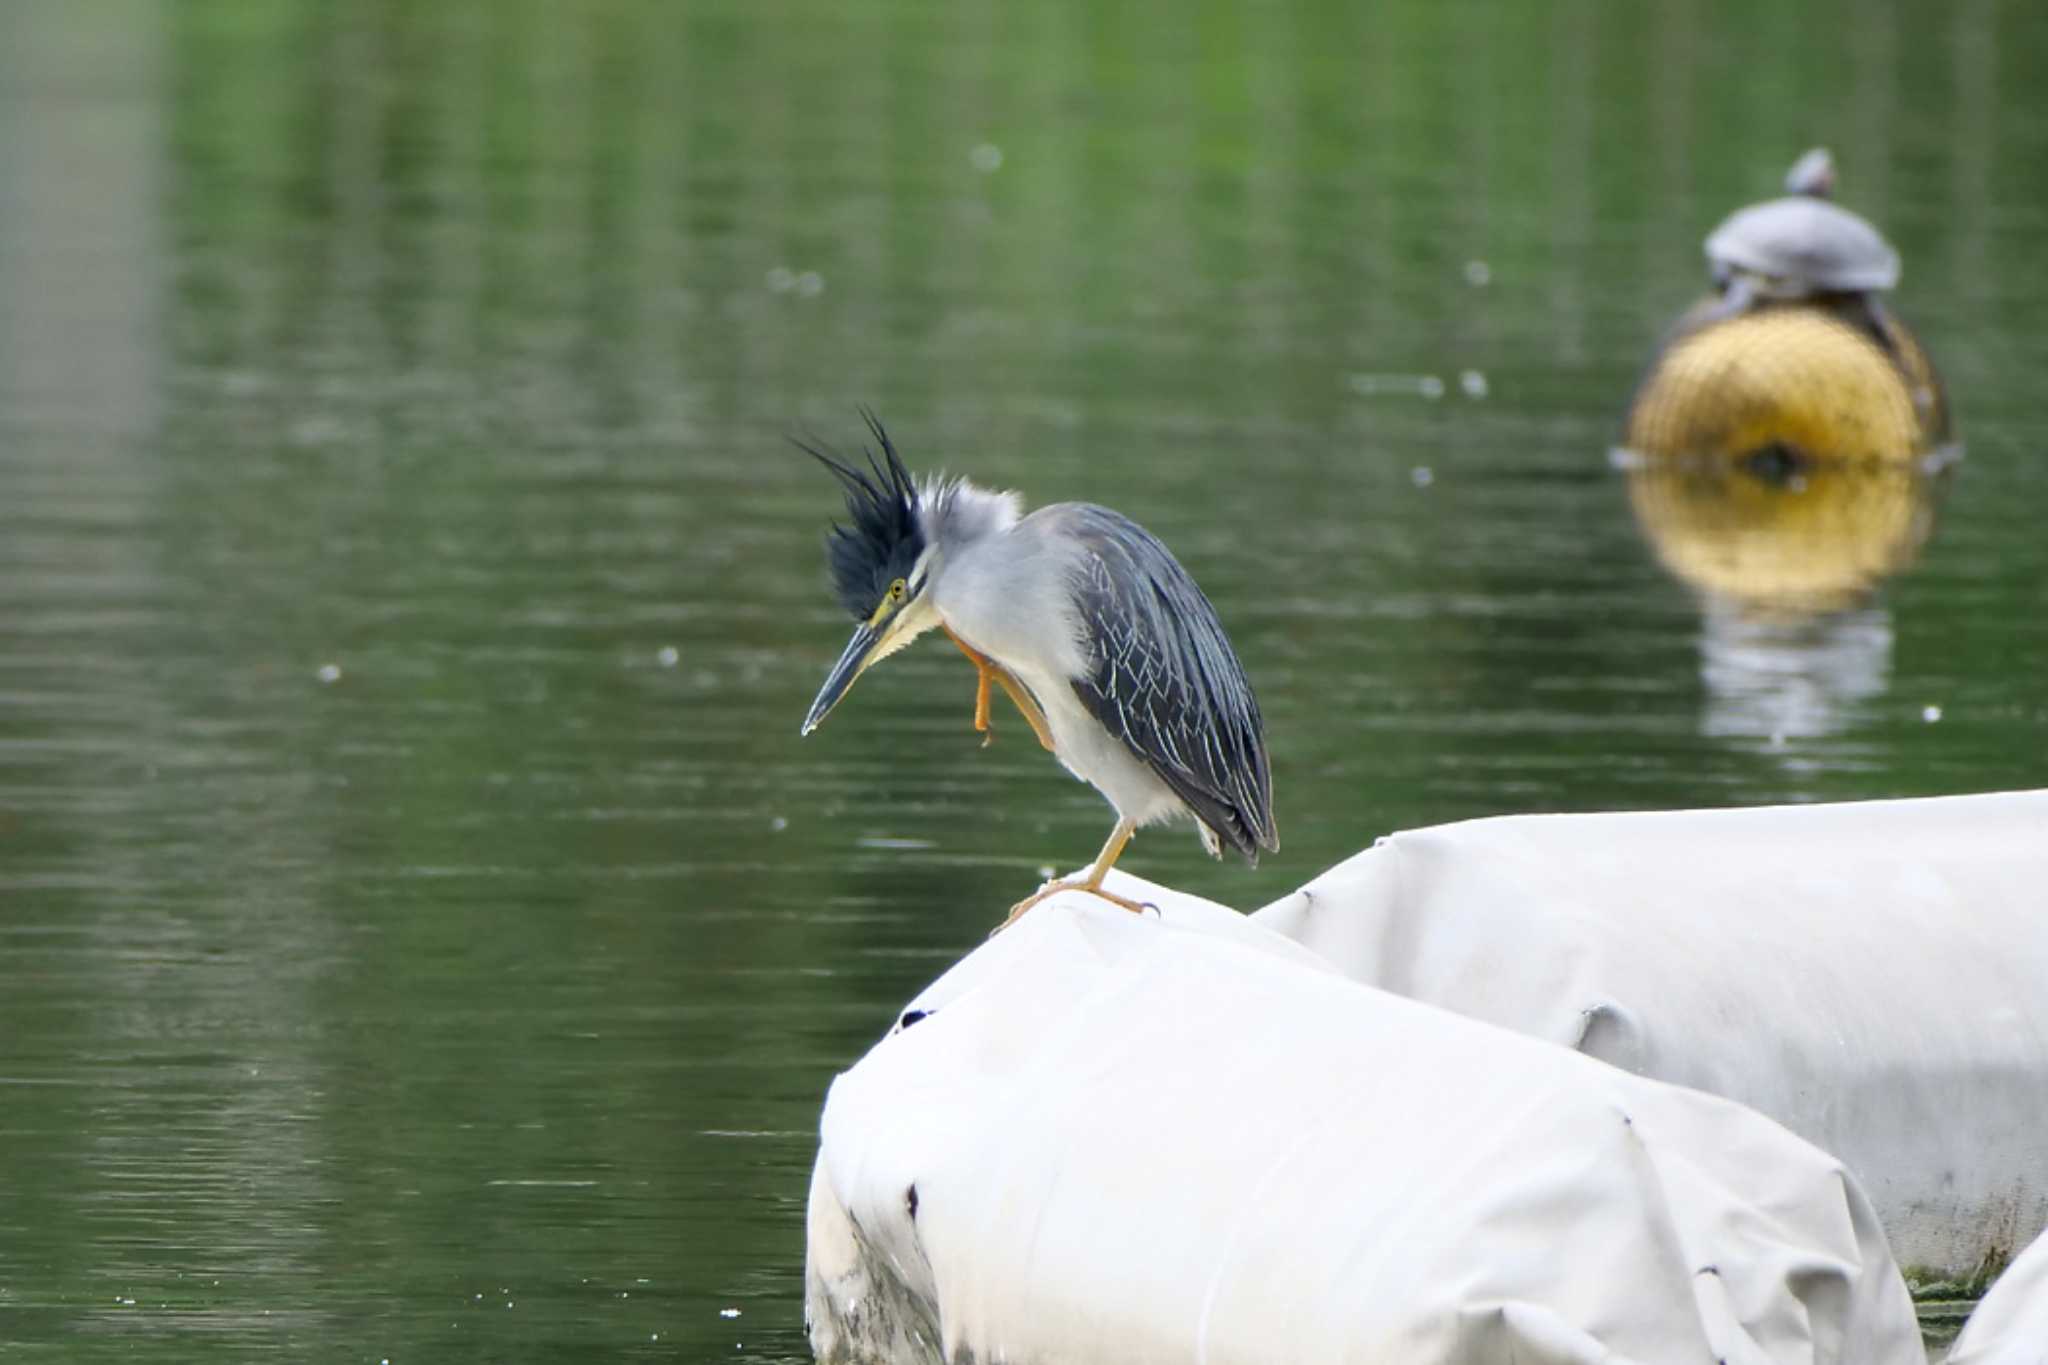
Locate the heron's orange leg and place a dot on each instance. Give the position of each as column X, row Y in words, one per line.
column 987, row 671
column 983, row 675
column 1021, row 696
column 1091, row 883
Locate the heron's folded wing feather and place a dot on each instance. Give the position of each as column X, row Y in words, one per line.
column 1161, row 676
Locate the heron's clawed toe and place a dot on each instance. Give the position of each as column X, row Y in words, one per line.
column 1017, row 911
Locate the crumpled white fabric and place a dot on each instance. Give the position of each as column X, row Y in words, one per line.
column 1112, row 1138
column 1872, row 975
column 2010, row 1327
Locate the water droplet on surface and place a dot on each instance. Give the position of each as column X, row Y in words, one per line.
column 986, row 158
column 329, row 673
column 781, row 279
column 728, row 1312
column 1421, row 385
column 1930, row 714
column 1473, row 383
column 667, row 656
column 1478, row 274
column 810, row 284
column 778, row 824
column 1422, row 476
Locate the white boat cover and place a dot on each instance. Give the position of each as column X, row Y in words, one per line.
column 1874, row 976
column 2010, row 1327
column 1111, row 1138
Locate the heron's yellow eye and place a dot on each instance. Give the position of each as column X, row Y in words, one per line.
column 896, row 591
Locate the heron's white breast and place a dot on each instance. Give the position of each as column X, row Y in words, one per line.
column 1010, row 597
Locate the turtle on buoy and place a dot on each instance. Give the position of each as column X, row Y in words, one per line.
column 1801, row 246
column 1786, row 444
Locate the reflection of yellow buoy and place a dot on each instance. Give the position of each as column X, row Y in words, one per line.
column 1778, row 457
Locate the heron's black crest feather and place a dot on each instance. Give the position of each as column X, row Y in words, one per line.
column 884, row 539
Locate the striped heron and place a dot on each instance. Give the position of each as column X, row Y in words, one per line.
column 1085, row 620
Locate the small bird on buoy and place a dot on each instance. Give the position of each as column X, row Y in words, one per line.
column 1086, row 621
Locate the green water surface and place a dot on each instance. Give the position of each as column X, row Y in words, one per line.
column 423, row 935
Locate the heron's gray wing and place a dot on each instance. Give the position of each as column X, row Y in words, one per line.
column 1161, row 676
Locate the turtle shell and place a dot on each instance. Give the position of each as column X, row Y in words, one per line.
column 1800, row 245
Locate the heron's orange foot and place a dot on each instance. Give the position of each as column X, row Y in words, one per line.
column 1135, row 907
column 983, row 676
column 1017, row 910
column 982, row 726
column 1054, row 888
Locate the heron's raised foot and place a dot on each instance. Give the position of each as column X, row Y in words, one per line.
column 981, row 727
column 989, row 671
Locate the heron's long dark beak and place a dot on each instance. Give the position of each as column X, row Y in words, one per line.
column 859, row 650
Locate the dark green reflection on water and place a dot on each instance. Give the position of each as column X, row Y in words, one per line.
column 477, row 1002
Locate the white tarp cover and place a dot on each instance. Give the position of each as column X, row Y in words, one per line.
column 1872, row 975
column 2011, row 1326
column 1112, row 1138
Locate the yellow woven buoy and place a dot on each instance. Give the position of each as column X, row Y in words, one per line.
column 1779, row 457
